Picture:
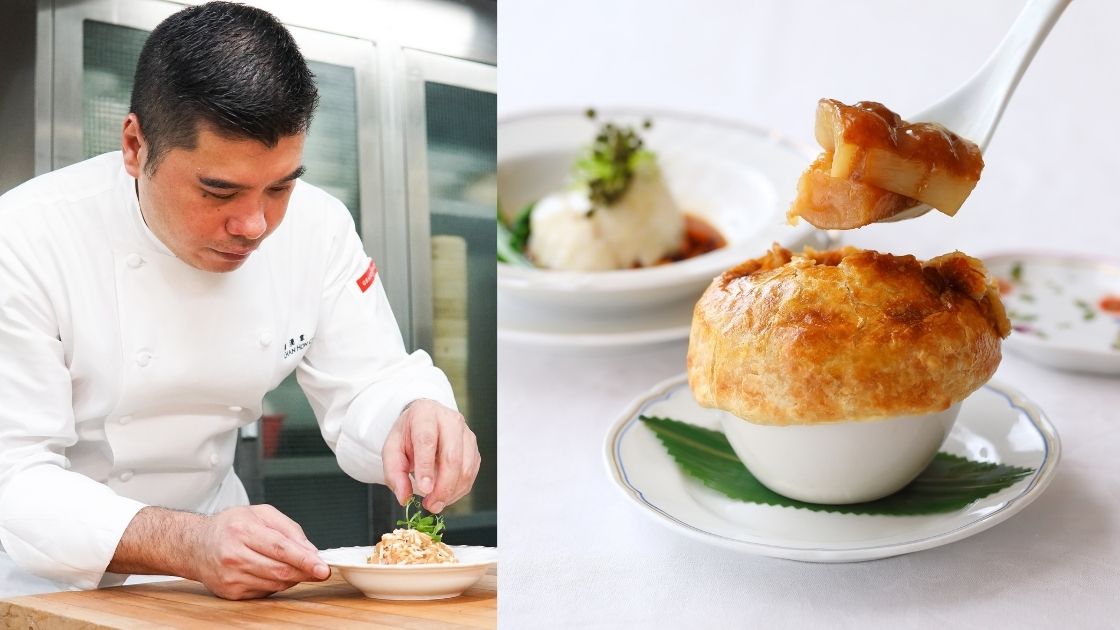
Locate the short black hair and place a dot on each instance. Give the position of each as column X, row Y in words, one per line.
column 233, row 67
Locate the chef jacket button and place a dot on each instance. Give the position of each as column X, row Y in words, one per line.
column 143, row 358
column 266, row 339
column 124, row 419
column 235, row 409
column 213, row 459
column 134, row 261
column 126, row 475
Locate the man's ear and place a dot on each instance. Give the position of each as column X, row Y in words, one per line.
column 133, row 146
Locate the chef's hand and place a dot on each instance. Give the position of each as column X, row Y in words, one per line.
column 254, row 551
column 436, row 446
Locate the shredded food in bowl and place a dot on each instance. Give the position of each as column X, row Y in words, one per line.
column 408, row 546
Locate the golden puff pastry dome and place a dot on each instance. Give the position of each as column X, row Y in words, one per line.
column 845, row 334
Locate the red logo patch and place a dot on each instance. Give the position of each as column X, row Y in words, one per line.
column 367, row 278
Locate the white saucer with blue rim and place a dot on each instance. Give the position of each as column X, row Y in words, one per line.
column 996, row 424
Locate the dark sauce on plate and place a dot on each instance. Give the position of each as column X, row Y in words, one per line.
column 700, row 237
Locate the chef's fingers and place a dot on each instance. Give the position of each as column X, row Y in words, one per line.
column 472, row 461
column 423, row 432
column 260, row 566
column 450, row 461
column 272, row 544
column 395, row 465
column 255, row 595
column 471, row 464
column 277, row 520
column 247, row 586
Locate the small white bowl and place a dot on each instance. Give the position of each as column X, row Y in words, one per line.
column 411, row 581
column 736, row 177
column 840, row 462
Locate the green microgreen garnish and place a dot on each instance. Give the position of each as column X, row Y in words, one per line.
column 610, row 163
column 513, row 239
column 1017, row 271
column 519, row 228
column 431, row 524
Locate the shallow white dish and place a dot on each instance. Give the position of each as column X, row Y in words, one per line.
column 411, row 581
column 996, row 424
column 736, row 177
column 1055, row 309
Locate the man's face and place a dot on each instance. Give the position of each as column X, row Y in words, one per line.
column 213, row 205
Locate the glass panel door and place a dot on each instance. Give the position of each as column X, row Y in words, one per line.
column 109, row 54
column 452, row 161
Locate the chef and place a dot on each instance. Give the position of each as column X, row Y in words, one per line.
column 150, row 297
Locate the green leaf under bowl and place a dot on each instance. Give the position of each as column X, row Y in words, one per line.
column 949, row 483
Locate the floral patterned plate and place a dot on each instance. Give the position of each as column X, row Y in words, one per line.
column 1064, row 310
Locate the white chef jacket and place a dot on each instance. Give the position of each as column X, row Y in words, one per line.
column 125, row 373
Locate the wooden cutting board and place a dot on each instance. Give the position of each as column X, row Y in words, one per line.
column 186, row 604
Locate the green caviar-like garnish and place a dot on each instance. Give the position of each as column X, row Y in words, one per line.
column 610, row 163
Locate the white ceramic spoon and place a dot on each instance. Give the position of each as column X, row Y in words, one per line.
column 974, row 109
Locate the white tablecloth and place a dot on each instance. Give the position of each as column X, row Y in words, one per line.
column 575, row 554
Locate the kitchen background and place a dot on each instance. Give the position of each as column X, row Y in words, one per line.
column 404, row 136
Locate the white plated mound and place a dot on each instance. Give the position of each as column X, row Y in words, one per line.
column 995, row 424
column 411, row 581
column 839, row 462
column 736, row 177
column 1055, row 309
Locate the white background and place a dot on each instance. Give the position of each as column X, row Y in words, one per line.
column 574, row 554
